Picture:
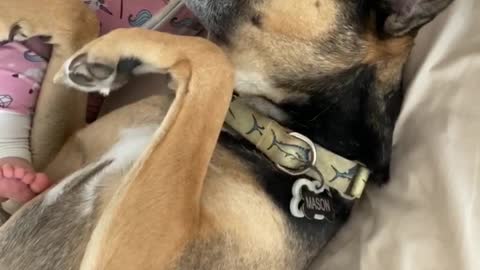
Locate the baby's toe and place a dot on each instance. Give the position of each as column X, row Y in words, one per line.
column 28, row 178
column 15, row 190
column 8, row 171
column 40, row 183
column 19, row 172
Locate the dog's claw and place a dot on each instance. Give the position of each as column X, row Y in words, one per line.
column 88, row 74
column 14, row 32
column 105, row 91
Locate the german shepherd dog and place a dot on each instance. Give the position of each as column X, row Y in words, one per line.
column 329, row 69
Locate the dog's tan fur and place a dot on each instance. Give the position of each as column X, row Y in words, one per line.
column 187, row 203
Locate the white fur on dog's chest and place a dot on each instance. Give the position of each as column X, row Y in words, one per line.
column 255, row 83
column 130, row 145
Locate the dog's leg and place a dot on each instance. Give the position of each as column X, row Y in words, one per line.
column 66, row 110
column 89, row 144
column 159, row 200
column 47, row 123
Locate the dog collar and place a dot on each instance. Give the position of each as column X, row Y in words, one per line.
column 297, row 155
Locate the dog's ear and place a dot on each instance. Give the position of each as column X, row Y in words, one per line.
column 403, row 17
column 381, row 113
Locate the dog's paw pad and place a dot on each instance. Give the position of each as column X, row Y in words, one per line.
column 100, row 71
column 89, row 76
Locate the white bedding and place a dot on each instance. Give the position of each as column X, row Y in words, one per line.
column 428, row 216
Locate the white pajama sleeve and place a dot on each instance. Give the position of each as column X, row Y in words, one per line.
column 15, row 135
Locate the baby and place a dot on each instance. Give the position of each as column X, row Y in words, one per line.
column 21, row 74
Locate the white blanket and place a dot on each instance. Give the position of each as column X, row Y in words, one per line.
column 428, row 216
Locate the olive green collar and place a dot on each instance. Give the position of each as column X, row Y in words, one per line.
column 296, row 154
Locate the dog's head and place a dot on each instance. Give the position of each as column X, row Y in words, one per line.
column 333, row 65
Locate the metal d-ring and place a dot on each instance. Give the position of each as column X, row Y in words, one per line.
column 313, row 161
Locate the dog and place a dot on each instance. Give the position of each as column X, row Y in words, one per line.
column 329, row 69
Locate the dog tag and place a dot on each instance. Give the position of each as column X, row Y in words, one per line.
column 312, row 200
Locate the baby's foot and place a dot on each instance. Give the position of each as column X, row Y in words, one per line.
column 19, row 182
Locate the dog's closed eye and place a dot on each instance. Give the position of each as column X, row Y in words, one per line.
column 257, row 20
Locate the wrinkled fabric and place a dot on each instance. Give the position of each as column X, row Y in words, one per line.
column 428, row 216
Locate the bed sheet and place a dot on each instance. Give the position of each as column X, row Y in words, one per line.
column 428, row 216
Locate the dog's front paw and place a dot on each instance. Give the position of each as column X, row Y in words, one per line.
column 89, row 73
column 106, row 63
column 103, row 65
